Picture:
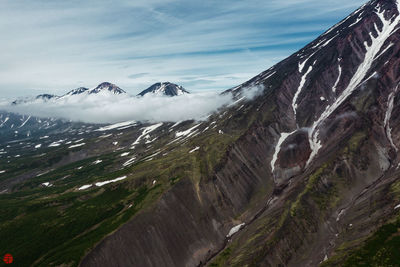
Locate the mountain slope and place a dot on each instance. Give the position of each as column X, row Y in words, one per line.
column 301, row 176
column 167, row 89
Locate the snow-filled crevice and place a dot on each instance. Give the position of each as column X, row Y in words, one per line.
column 146, row 131
column 302, row 64
column 338, row 78
column 387, row 118
column 23, row 124
column 298, row 91
column 282, row 138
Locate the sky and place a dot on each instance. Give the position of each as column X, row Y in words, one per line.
column 53, row 46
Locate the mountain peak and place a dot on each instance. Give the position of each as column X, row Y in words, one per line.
column 106, row 86
column 45, row 97
column 77, row 91
column 165, row 88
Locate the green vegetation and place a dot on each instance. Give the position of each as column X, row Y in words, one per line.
column 395, row 190
column 222, row 258
column 58, row 225
column 381, row 249
column 311, row 183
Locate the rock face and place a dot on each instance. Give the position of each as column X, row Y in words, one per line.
column 164, row 88
column 312, row 173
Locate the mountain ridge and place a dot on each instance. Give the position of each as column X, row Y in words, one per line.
column 164, row 88
column 160, row 88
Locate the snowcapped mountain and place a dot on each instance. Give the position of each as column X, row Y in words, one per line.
column 77, row 91
column 165, row 88
column 106, row 86
column 42, row 97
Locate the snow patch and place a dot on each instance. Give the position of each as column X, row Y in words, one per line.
column 54, row 144
column 339, row 215
column 234, row 230
column 4, row 122
column 188, row 132
column 86, row 186
column 282, row 138
column 302, row 64
column 387, row 118
column 194, row 149
column 146, row 131
column 23, row 124
column 129, row 162
column 110, row 181
column 338, row 78
column 175, row 124
column 117, row 126
column 77, row 145
column 298, row 91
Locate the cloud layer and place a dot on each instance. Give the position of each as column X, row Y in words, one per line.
column 53, row 46
column 109, row 108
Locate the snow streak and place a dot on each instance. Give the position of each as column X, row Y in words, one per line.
column 387, row 118
column 146, row 131
column 301, row 85
column 338, row 78
column 278, row 148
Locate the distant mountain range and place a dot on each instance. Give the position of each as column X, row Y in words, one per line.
column 159, row 89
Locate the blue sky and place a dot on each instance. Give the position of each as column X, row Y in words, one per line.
column 54, row 46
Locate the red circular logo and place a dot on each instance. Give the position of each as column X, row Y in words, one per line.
column 8, row 258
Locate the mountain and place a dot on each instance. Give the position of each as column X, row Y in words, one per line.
column 305, row 174
column 77, row 91
column 106, row 86
column 42, row 97
column 103, row 87
column 164, row 88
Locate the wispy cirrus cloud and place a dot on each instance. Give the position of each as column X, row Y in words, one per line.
column 54, row 46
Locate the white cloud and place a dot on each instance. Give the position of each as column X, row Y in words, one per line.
column 108, row 108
